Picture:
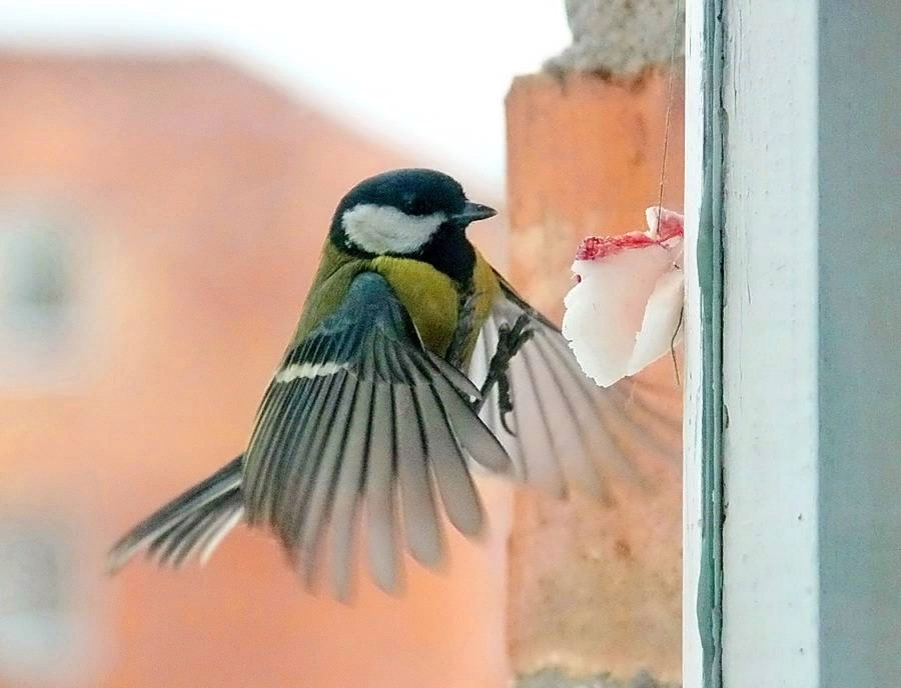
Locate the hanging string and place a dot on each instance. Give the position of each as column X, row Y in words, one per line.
column 677, row 6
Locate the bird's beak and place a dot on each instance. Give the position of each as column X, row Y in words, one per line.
column 472, row 212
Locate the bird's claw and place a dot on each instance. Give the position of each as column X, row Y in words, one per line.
column 510, row 339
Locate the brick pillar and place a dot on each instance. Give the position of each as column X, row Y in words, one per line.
column 593, row 589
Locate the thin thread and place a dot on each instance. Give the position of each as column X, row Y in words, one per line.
column 669, row 110
column 672, row 347
column 666, row 130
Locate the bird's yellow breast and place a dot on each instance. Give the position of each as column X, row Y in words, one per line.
column 430, row 297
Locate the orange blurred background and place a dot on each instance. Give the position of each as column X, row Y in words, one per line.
column 160, row 219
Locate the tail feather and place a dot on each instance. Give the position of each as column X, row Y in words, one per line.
column 193, row 523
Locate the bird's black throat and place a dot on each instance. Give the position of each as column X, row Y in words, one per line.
column 450, row 252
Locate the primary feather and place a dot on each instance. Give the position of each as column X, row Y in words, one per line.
column 564, row 431
column 191, row 524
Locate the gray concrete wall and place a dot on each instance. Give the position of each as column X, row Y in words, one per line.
column 621, row 37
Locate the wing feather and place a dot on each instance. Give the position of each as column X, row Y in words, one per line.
column 191, row 524
column 349, row 440
column 457, row 490
column 566, row 431
column 323, row 403
column 361, row 421
column 380, row 487
column 345, row 508
column 421, row 522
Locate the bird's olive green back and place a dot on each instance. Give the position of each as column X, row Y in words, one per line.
column 431, row 298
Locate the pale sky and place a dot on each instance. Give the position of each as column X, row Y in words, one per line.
column 430, row 75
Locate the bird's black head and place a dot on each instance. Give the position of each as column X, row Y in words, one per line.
column 413, row 213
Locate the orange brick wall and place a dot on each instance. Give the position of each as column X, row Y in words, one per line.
column 593, row 589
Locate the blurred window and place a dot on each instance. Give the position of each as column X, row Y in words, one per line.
column 39, row 631
column 38, row 298
column 36, row 287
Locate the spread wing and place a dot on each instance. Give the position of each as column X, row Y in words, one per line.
column 567, row 431
column 361, row 418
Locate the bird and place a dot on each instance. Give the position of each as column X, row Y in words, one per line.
column 414, row 365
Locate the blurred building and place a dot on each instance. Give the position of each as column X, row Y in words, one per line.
column 159, row 223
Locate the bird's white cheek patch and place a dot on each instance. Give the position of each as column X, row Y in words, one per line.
column 379, row 229
column 626, row 310
column 307, row 370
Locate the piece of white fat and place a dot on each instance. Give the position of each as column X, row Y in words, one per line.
column 661, row 330
column 625, row 312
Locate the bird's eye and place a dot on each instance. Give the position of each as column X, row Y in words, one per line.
column 408, row 201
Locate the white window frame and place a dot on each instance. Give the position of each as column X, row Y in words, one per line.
column 801, row 125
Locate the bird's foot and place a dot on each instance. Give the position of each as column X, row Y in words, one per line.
column 510, row 339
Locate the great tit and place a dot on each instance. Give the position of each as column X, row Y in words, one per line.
column 374, row 412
